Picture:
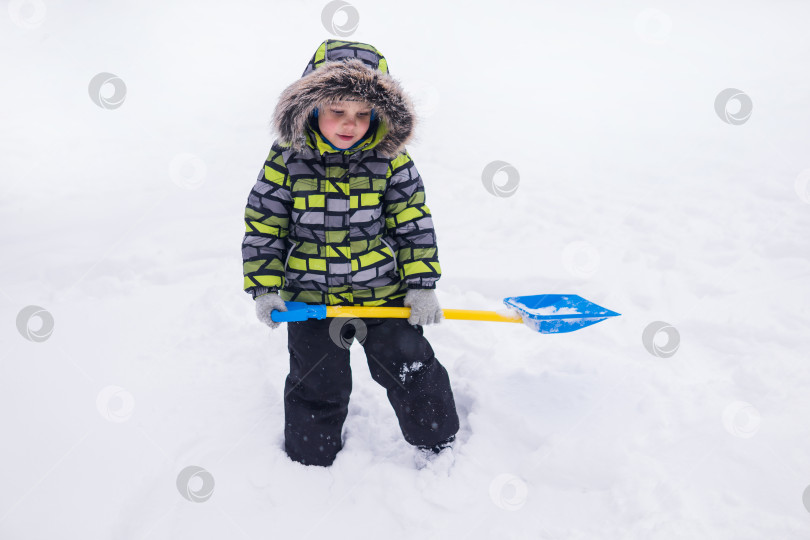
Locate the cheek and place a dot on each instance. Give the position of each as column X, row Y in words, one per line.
column 328, row 125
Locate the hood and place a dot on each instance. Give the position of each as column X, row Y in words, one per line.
column 346, row 70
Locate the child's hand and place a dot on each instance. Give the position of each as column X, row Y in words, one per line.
column 265, row 304
column 424, row 306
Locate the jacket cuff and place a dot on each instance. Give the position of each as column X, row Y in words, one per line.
column 259, row 291
column 422, row 284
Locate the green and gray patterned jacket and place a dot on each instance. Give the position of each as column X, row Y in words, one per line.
column 340, row 227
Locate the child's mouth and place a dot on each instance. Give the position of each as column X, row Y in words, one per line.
column 345, row 137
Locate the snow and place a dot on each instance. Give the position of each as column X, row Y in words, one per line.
column 125, row 224
column 545, row 311
column 405, row 369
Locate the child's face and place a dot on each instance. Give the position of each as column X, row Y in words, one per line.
column 344, row 122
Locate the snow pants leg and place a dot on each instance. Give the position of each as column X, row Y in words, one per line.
column 316, row 393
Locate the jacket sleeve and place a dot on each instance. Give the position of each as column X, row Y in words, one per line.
column 267, row 218
column 409, row 224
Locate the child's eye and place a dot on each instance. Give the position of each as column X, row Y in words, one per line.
column 362, row 114
column 337, row 112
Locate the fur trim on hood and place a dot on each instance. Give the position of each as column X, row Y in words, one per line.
column 347, row 79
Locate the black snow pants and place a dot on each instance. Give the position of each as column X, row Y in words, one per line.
column 316, row 392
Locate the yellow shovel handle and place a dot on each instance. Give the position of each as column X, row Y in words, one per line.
column 405, row 312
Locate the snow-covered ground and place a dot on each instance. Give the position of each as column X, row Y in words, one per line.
column 124, row 224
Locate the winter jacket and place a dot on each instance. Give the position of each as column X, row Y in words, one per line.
column 340, row 227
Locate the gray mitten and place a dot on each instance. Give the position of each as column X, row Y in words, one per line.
column 265, row 304
column 424, row 306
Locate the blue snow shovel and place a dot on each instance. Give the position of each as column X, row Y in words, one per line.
column 544, row 313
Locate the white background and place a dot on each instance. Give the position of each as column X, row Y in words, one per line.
column 125, row 225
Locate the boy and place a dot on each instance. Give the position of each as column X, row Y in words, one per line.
column 338, row 217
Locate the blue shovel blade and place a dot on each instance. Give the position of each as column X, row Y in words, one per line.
column 558, row 313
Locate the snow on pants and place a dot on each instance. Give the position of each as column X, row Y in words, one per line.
column 316, row 392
